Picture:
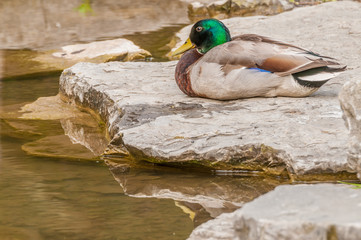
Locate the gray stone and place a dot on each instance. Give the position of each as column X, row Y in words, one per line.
column 147, row 119
column 220, row 228
column 300, row 212
column 350, row 98
column 104, row 51
column 147, row 113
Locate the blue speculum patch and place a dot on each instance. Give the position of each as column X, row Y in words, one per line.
column 260, row 70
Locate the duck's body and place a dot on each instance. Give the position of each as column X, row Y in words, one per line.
column 249, row 66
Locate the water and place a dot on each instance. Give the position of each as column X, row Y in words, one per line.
column 50, row 192
column 52, row 198
column 45, row 199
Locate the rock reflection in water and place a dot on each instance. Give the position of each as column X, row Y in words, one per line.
column 82, row 131
column 89, row 136
column 202, row 196
column 1, row 70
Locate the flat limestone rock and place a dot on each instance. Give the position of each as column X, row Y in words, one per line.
column 50, row 108
column 147, row 113
column 299, row 212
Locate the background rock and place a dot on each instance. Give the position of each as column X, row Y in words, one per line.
column 322, row 211
column 97, row 52
column 232, row 8
column 27, row 62
column 57, row 23
column 350, row 98
column 103, row 51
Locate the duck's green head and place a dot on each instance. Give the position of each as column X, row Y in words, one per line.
column 205, row 35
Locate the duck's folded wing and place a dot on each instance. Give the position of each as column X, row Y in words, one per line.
column 255, row 51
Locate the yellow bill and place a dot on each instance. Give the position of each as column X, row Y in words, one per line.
column 186, row 46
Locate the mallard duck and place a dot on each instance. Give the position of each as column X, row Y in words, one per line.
column 217, row 66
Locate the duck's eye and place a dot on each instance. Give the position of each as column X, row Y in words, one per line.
column 199, row 29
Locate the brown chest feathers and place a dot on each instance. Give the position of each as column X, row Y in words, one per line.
column 182, row 71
